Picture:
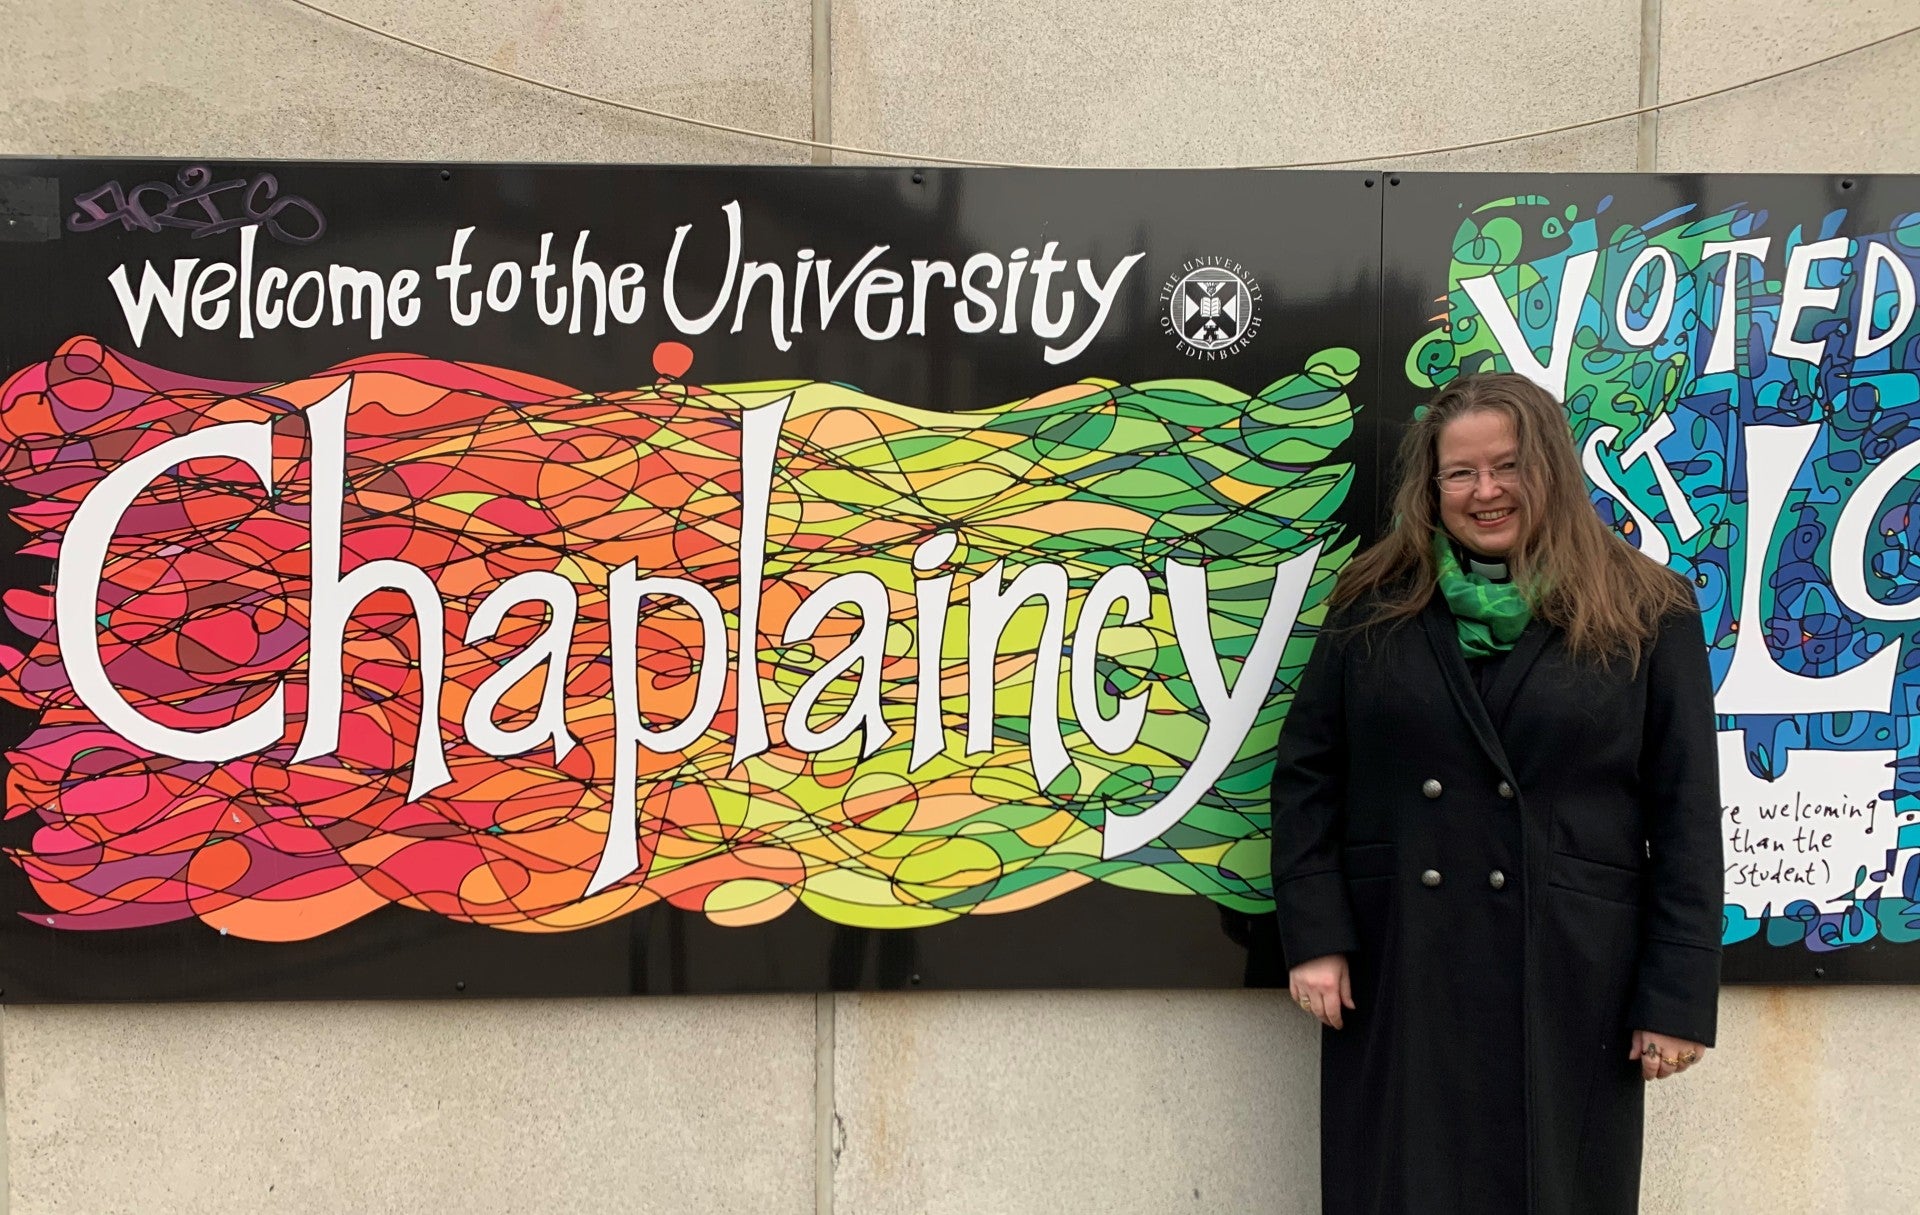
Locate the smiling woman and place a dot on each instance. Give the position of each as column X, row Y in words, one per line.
column 1488, row 902
column 1479, row 473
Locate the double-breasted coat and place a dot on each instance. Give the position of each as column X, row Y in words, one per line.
column 1520, row 877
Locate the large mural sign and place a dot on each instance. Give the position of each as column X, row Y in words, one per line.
column 581, row 580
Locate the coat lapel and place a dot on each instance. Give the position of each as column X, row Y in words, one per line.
column 1442, row 635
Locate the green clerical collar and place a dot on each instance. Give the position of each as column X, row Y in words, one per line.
column 1489, row 612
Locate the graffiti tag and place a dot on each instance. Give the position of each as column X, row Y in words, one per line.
column 195, row 205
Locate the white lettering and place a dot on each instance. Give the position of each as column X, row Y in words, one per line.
column 452, row 271
column 83, row 555
column 963, row 318
column 212, row 286
column 153, row 290
column 587, row 272
column 1720, row 354
column 923, row 273
column 620, row 855
column 334, row 598
column 365, row 290
column 549, row 649
column 878, row 282
column 1230, row 713
column 752, row 273
column 1664, row 293
column 1505, row 328
column 681, row 321
column 1103, row 295
column 989, row 610
column 1799, row 296
column 930, row 598
column 1754, row 682
column 1882, row 259
column 868, row 649
column 759, row 442
column 1123, row 584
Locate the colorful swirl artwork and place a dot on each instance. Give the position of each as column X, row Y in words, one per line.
column 1733, row 437
column 475, row 476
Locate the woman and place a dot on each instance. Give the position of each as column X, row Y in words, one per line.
column 1496, row 833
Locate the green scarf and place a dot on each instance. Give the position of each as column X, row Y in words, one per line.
column 1489, row 615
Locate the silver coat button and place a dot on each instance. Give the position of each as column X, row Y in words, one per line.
column 1497, row 880
column 1430, row 787
column 1430, row 878
column 1505, row 789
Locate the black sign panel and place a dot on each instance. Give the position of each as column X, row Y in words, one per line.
column 578, row 580
column 583, row 580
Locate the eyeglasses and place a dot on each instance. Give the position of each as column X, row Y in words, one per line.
column 1463, row 480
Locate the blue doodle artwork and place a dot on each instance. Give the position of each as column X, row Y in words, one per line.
column 1745, row 393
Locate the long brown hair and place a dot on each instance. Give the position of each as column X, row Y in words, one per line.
column 1578, row 575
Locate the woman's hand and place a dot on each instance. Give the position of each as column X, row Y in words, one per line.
column 1661, row 1056
column 1321, row 987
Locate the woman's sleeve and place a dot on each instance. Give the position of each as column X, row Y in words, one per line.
column 1678, row 984
column 1309, row 799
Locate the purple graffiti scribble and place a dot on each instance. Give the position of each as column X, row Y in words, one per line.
column 195, row 207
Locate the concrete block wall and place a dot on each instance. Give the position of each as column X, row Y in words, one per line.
column 979, row 1103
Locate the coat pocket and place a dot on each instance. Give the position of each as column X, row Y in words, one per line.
column 1361, row 861
column 1369, row 870
column 1595, row 879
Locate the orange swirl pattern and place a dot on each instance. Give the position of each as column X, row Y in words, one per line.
column 477, row 474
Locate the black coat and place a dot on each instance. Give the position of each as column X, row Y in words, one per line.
column 1519, row 880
